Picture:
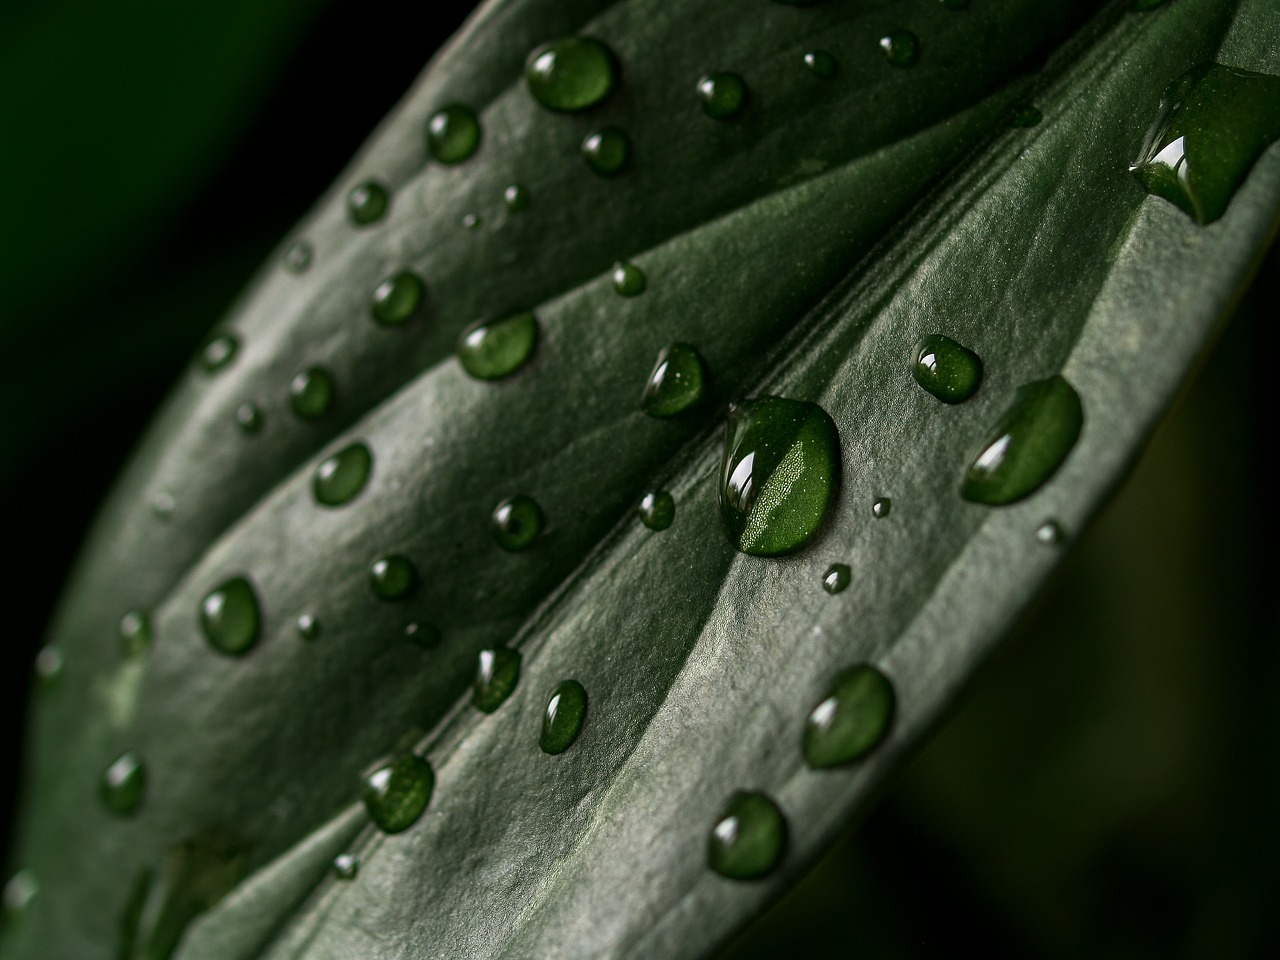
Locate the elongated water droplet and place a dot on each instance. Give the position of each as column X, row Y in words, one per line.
column 1050, row 533
column 1214, row 123
column 21, row 889
column 392, row 577
column 607, row 151
column 722, row 95
column 311, row 393
column 368, row 202
column 453, row 134
column 947, row 370
column 836, row 579
column 497, row 673
column 571, row 74
column 901, row 48
column 340, row 477
column 123, row 784
column 820, row 63
column 396, row 795
column 748, row 838
column 851, row 718
column 135, row 633
column 780, row 475
column 563, row 717
column 880, row 509
column 218, row 352
column 249, row 417
column 298, row 257
column 1027, row 445
column 628, row 279
column 677, row 383
column 346, row 866
column 229, row 616
column 493, row 349
column 1025, row 115
column 396, row 299
column 657, row 510
column 516, row 523
column 516, row 197
column 49, row 666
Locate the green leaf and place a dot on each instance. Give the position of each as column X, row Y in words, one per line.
column 804, row 246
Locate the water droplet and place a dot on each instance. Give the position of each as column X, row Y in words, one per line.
column 368, row 202
column 677, row 382
column 1027, row 445
column 396, row 299
column 836, row 579
column 945, row 369
column 49, row 666
column 493, row 349
column 229, row 616
column 392, row 577
column 851, row 718
column 1050, row 533
column 571, row 74
column 606, row 151
column 901, row 48
column 516, row 197
column 749, row 837
column 820, row 63
column 346, row 866
column 516, row 523
column 497, row 673
column 453, row 134
column 340, row 477
column 628, row 279
column 163, row 505
column 311, row 393
column 722, row 95
column 298, row 257
column 422, row 635
column 562, row 719
column 471, row 221
column 308, row 626
column 780, row 475
column 397, row 795
column 880, row 509
column 218, row 352
column 249, row 417
column 21, row 889
column 657, row 510
column 135, row 633
column 1025, row 115
column 956, row 4
column 123, row 784
column 1214, row 123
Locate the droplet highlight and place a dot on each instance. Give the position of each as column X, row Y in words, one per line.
column 677, row 383
column 311, row 393
column 230, row 617
column 748, row 838
column 453, row 134
column 950, row 372
column 392, row 577
column 123, row 785
column 396, row 795
column 657, row 510
column 836, row 579
column 722, row 95
column 628, row 279
column 850, row 720
column 571, row 74
column 368, row 203
column 134, row 630
column 340, row 477
column 497, row 674
column 396, row 299
column 494, row 349
column 901, row 48
column 516, row 523
column 607, row 151
column 1050, row 533
column 563, row 717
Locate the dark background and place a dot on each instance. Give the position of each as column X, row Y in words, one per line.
column 1109, row 787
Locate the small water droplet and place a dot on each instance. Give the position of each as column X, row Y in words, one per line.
column 453, row 134
column 396, row 795
column 628, row 279
column 396, row 299
column 947, row 370
column 1050, row 533
column 722, row 95
column 218, row 352
column 748, row 838
column 311, row 393
column 571, row 74
column 901, row 48
column 308, row 626
column 780, row 475
column 163, row 505
column 21, row 889
column 341, row 476
column 677, row 383
column 1027, row 444
column 123, row 784
column 880, row 509
column 49, row 665
column 298, row 257
column 516, row 197
column 607, row 151
column 1025, row 115
column 516, row 523
column 470, row 221
column 563, row 717
column 493, row 349
column 392, row 577
column 249, row 417
column 497, row 673
column 851, row 718
column 821, row 64
column 837, row 578
column 368, row 202
column 422, row 635
column 657, row 510
column 135, row 633
column 346, row 866
column 1214, row 123
column 230, row 617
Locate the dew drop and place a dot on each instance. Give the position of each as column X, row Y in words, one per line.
column 947, row 370
column 516, row 523
column 722, row 95
column 820, row 63
column 563, row 717
column 493, row 349
column 837, row 578
column 1025, row 115
column 657, row 510
column 606, row 151
column 851, row 718
column 123, row 784
column 628, row 279
column 422, row 635
column 230, row 618
column 308, row 626
column 453, row 134
column 1027, row 444
column 516, row 197
column 749, row 837
column 346, row 866
column 298, row 257
column 396, row 299
column 249, row 417
column 1050, row 533
column 497, row 673
column 134, row 630
column 880, row 509
column 49, row 666
column 396, row 795
column 218, row 352
column 901, row 48
column 392, row 577
column 368, row 202
column 471, row 221
column 677, row 383
column 340, row 477
column 163, row 505
column 780, row 475
column 571, row 74
column 22, row 888
column 311, row 393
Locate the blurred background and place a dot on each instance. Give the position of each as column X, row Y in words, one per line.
column 1109, row 786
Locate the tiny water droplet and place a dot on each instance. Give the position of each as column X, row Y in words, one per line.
column 392, row 577
column 470, row 221
column 453, row 134
column 308, row 626
column 563, row 717
column 311, row 393
column 516, row 197
column 1050, row 533
column 880, row 509
column 346, row 866
column 571, row 74
column 657, row 510
column 493, row 349
column 163, row 505
column 49, row 666
column 230, row 617
column 677, row 383
column 249, row 417
column 516, row 523
column 1025, row 115
column 821, row 64
column 497, row 673
column 218, row 352
column 628, row 279
column 901, row 48
column 298, row 257
column 722, row 95
column 396, row 299
column 123, row 784
column 340, row 477
column 1027, row 444
column 851, row 718
column 422, row 635
column 368, row 202
column 396, row 795
column 748, row 838
column 606, row 151
column 780, row 474
column 837, row 578
column 947, row 370
column 135, row 633
column 21, row 889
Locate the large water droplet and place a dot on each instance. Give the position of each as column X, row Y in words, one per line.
column 677, row 382
column 249, row 417
column 453, row 134
column 1027, row 444
column 392, row 577
column 346, row 866
column 368, row 202
column 135, row 633
column 821, row 64
column 749, row 837
column 945, row 369
column 493, row 349
column 607, row 151
column 628, row 279
column 516, row 523
column 311, row 393
column 571, row 74
column 497, row 673
column 722, row 95
column 563, row 717
column 780, row 475
column 657, row 510
column 340, row 477
column 218, row 352
column 901, row 48
column 836, row 579
column 229, row 616
column 123, row 784
column 397, row 795
column 851, row 718
column 396, row 299
column 1214, row 123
